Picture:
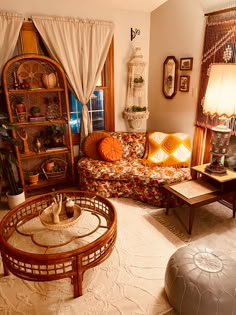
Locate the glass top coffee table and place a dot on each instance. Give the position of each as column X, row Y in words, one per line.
column 33, row 250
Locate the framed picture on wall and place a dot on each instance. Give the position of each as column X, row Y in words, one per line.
column 184, row 83
column 186, row 63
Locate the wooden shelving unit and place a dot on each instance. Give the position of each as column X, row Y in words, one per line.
column 22, row 77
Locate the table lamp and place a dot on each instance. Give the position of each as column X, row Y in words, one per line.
column 220, row 101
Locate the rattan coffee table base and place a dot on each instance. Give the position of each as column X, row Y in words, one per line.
column 53, row 262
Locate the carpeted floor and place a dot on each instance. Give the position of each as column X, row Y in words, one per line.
column 131, row 280
column 213, row 226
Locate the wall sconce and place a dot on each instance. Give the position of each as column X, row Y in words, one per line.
column 134, row 33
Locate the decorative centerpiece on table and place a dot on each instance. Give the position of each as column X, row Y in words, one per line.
column 61, row 213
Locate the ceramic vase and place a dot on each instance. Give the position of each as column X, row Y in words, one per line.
column 49, row 80
column 20, row 108
column 15, row 200
column 33, row 179
column 49, row 166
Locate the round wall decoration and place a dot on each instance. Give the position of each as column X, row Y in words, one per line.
column 30, row 74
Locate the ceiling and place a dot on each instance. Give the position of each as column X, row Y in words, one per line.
column 150, row 5
column 134, row 5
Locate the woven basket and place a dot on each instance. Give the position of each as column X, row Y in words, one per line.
column 46, row 217
column 135, row 119
column 58, row 171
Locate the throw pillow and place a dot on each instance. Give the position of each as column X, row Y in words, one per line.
column 110, row 149
column 169, row 149
column 91, row 143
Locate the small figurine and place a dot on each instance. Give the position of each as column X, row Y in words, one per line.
column 38, row 145
column 56, row 208
column 24, row 137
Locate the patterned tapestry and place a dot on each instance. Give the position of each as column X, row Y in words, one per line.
column 219, row 47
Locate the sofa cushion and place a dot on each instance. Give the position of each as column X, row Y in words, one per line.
column 133, row 144
column 91, row 143
column 110, row 149
column 168, row 149
column 133, row 171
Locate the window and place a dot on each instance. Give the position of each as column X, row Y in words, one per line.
column 95, row 108
column 101, row 104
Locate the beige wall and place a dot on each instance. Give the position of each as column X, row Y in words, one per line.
column 177, row 28
column 123, row 21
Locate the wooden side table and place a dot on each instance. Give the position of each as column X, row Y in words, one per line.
column 211, row 188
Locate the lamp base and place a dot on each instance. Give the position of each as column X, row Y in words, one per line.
column 216, row 168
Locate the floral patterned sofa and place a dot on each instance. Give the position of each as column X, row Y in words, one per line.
column 129, row 177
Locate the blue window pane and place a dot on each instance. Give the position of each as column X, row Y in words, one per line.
column 97, row 100
column 73, row 103
column 95, row 108
column 98, row 120
column 75, row 122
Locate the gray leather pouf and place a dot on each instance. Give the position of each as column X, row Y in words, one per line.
column 200, row 280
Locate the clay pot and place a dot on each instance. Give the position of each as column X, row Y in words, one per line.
column 33, row 179
column 35, row 111
column 20, row 108
column 49, row 80
column 49, row 166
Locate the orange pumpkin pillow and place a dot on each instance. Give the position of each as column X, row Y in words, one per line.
column 91, row 143
column 110, row 149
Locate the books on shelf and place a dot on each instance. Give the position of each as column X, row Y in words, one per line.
column 55, row 148
column 37, row 119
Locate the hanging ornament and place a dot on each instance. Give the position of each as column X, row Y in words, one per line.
column 136, row 104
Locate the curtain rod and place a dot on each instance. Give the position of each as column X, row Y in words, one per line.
column 220, row 11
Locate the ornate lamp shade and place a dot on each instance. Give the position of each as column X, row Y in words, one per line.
column 220, row 98
column 220, row 101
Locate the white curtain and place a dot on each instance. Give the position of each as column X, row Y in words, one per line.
column 10, row 25
column 81, row 46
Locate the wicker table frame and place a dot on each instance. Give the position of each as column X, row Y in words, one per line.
column 70, row 264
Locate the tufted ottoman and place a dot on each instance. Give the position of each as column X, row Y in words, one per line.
column 200, row 280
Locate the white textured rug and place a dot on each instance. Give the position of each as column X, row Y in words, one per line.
column 129, row 282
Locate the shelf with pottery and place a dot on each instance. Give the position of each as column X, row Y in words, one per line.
column 33, row 91
column 41, row 123
column 36, row 94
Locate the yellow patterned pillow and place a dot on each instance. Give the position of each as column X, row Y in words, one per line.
column 168, row 149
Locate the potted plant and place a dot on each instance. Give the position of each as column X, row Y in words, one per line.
column 20, row 106
column 35, row 111
column 32, row 177
column 138, row 82
column 135, row 115
column 8, row 161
